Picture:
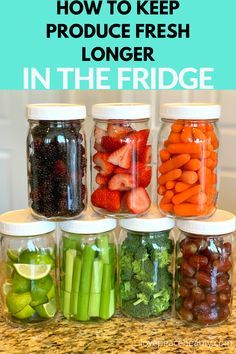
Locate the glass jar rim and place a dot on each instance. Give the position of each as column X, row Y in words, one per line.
column 190, row 111
column 56, row 111
column 121, row 111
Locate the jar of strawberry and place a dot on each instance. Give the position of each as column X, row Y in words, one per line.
column 204, row 269
column 121, row 159
column 188, row 145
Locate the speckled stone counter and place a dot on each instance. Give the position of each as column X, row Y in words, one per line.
column 119, row 335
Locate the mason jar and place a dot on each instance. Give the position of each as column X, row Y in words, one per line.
column 28, row 283
column 121, row 159
column 188, row 144
column 204, row 269
column 88, row 267
column 146, row 248
column 56, row 152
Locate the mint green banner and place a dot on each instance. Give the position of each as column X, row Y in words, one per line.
column 30, row 60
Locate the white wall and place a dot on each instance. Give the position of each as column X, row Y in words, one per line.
column 13, row 130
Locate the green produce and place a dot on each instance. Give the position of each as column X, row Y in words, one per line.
column 145, row 280
column 88, row 285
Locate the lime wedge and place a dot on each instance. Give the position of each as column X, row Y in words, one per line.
column 7, row 287
column 16, row 302
column 32, row 271
column 13, row 255
column 51, row 293
column 47, row 310
column 27, row 312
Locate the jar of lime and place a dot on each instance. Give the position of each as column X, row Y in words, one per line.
column 27, row 268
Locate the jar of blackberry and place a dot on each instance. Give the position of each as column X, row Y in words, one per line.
column 56, row 151
column 204, row 269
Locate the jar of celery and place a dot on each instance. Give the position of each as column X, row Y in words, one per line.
column 88, row 268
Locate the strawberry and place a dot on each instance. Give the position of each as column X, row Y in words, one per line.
column 138, row 140
column 98, row 134
column 101, row 180
column 122, row 157
column 101, row 160
column 143, row 175
column 122, row 170
column 106, row 199
column 138, row 201
column 111, row 144
column 123, row 203
column 118, row 130
column 99, row 147
column 146, row 155
column 121, row 182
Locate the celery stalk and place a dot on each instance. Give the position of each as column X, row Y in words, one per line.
column 70, row 256
column 66, row 304
column 103, row 247
column 112, row 256
column 112, row 304
column 95, row 290
column 75, row 284
column 105, row 292
column 85, row 282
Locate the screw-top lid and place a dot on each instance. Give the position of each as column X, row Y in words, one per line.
column 121, row 111
column 22, row 223
column 220, row 223
column 151, row 222
column 89, row 223
column 55, row 111
column 197, row 111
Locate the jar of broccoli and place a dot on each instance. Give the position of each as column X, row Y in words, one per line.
column 88, row 268
column 28, row 285
column 204, row 269
column 145, row 266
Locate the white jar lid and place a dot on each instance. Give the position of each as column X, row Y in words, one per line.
column 55, row 111
column 197, row 111
column 121, row 111
column 220, row 223
column 22, row 223
column 151, row 222
column 89, row 223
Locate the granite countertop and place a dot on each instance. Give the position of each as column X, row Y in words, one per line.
column 119, row 335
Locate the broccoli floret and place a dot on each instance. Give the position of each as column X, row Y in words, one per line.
column 160, row 302
column 162, row 257
column 147, row 288
column 164, row 279
column 132, row 243
column 144, row 271
column 126, row 272
column 128, row 290
column 141, row 254
column 140, row 310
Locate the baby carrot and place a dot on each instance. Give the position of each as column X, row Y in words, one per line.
column 161, row 190
column 181, row 197
column 168, row 208
column 188, row 209
column 192, row 165
column 180, row 187
column 167, row 197
column 176, row 127
column 176, row 162
column 201, row 155
column 170, row 185
column 200, row 198
column 198, row 135
column 209, row 127
column 210, row 163
column 164, row 155
column 186, row 135
column 189, row 177
column 214, row 156
column 174, row 138
column 170, row 176
column 205, row 176
column 214, row 178
column 202, row 127
column 214, row 140
column 184, row 148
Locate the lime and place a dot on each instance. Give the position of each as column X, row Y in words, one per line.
column 13, row 255
column 33, row 272
column 51, row 293
column 16, row 302
column 35, row 257
column 9, row 269
column 7, row 287
column 39, row 290
column 47, row 310
column 27, row 312
column 20, row 284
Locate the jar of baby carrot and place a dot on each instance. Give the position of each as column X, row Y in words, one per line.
column 188, row 144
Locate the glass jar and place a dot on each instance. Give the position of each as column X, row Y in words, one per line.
column 28, row 283
column 146, row 266
column 204, row 269
column 88, row 268
column 121, row 159
column 56, row 161
column 188, row 145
